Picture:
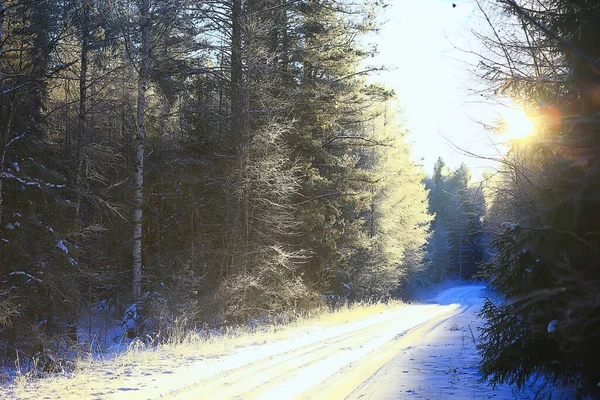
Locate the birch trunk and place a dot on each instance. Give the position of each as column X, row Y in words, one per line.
column 141, row 136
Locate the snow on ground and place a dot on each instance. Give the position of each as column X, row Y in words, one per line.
column 420, row 351
column 309, row 357
column 443, row 363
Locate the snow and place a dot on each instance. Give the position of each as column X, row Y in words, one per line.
column 130, row 317
column 443, row 363
column 61, row 245
column 316, row 373
column 28, row 181
column 510, row 226
column 420, row 351
column 31, row 277
column 104, row 305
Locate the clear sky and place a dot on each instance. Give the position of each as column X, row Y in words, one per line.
column 426, row 45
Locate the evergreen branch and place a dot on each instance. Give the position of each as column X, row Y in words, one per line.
column 321, row 196
column 284, row 5
column 372, row 141
column 363, row 72
column 569, row 47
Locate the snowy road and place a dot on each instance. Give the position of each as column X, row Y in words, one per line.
column 418, row 352
column 442, row 362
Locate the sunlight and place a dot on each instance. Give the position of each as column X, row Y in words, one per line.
column 516, row 124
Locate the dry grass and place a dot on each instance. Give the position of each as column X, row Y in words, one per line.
column 102, row 377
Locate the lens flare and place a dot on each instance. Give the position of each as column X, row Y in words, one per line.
column 516, row 124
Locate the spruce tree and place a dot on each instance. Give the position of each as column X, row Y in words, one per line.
column 546, row 266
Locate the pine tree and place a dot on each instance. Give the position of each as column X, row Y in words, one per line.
column 36, row 264
column 456, row 247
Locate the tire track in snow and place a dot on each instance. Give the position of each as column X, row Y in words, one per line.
column 275, row 368
column 335, row 365
column 387, row 354
column 294, row 381
column 344, row 381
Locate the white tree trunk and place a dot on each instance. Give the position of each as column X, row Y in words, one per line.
column 141, row 135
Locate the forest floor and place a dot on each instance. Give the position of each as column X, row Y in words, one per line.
column 414, row 351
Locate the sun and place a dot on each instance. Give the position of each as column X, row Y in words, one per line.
column 516, row 124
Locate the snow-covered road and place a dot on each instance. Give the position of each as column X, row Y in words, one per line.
column 417, row 351
column 442, row 362
column 420, row 351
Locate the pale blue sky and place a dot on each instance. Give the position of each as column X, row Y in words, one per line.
column 423, row 43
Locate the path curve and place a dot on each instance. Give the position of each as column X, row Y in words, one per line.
column 332, row 366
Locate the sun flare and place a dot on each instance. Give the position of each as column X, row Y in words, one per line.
column 516, row 124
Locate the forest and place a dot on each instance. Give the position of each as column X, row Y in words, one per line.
column 228, row 162
column 223, row 160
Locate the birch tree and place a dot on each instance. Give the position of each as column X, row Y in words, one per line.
column 143, row 80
